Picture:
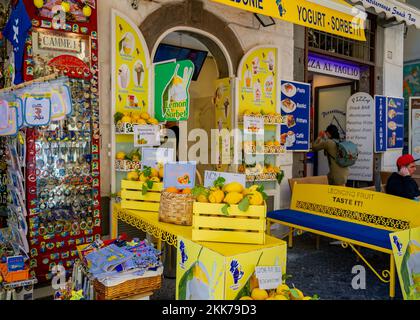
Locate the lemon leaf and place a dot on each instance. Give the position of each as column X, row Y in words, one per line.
column 294, row 293
column 225, row 209
column 144, row 189
column 147, row 171
column 286, row 277
column 219, row 182
column 243, row 205
column 280, row 176
column 149, row 184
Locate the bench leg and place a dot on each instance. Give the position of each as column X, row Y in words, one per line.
column 317, row 242
column 268, row 231
column 392, row 277
column 291, row 237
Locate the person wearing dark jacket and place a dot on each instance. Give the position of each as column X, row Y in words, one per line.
column 401, row 183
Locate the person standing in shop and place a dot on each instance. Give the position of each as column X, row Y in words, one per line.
column 174, row 126
column 401, row 183
column 337, row 175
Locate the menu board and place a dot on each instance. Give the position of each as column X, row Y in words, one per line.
column 415, row 127
column 380, row 124
column 258, row 85
column 395, row 123
column 295, row 105
column 131, row 68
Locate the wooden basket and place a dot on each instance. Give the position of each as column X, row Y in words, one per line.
column 210, row 224
column 132, row 197
column 176, row 208
column 128, row 288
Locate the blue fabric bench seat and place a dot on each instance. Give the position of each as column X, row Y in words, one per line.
column 354, row 231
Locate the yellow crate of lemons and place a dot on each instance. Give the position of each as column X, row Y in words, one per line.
column 141, row 190
column 229, row 213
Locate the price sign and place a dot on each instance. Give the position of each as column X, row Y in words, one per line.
column 269, row 277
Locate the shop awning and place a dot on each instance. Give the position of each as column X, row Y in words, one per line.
column 394, row 9
column 332, row 16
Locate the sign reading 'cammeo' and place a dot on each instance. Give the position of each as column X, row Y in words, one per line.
column 56, row 42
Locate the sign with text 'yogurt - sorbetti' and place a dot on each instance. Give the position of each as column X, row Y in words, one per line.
column 295, row 110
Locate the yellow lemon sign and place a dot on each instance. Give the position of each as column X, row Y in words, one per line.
column 347, row 22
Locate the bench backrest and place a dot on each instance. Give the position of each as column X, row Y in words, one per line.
column 308, row 180
column 359, row 206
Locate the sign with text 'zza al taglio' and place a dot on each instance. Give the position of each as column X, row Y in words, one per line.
column 172, row 82
column 348, row 22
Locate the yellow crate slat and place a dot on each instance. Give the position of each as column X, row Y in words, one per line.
column 137, row 195
column 137, row 185
column 140, row 205
column 216, row 209
column 228, row 236
column 229, row 223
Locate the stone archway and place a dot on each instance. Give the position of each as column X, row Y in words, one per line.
column 191, row 14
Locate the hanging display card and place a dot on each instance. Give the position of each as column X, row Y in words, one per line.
column 211, row 176
column 151, row 157
column 380, row 124
column 4, row 114
column 180, row 175
column 395, row 123
column 147, row 135
column 37, row 110
column 12, row 128
column 295, row 102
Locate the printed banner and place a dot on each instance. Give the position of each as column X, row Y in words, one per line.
column 395, row 123
column 359, row 130
column 349, row 24
column 258, row 82
column 380, row 124
column 338, row 68
column 406, row 250
column 295, row 110
column 131, row 73
column 172, row 97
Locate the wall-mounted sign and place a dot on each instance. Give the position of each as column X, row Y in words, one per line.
column 395, row 123
column 333, row 67
column 172, row 82
column 295, row 110
column 258, row 82
column 338, row 18
column 359, row 130
column 380, row 124
column 60, row 42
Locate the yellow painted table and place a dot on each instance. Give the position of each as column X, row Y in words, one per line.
column 207, row 270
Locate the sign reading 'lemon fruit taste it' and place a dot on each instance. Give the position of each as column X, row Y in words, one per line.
column 172, row 82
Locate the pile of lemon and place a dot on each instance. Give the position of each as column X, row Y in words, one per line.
column 231, row 193
column 283, row 292
column 138, row 118
column 152, row 174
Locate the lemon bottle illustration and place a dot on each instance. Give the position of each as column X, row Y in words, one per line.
column 166, row 96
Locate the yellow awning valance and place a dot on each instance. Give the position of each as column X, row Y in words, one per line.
column 332, row 16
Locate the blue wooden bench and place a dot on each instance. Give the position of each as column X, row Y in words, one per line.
column 356, row 217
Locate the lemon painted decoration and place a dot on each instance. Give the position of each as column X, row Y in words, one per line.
column 172, row 98
column 39, row 3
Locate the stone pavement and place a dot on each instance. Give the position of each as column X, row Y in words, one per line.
column 326, row 272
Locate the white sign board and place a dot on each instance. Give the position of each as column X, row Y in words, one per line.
column 151, row 157
column 211, row 176
column 146, row 135
column 359, row 130
column 269, row 277
column 254, row 125
column 415, row 127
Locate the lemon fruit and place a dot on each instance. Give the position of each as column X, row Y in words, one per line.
column 202, row 198
column 87, row 11
column 126, row 119
column 256, row 198
column 233, row 187
column 233, row 197
column 132, row 176
column 155, row 179
column 246, row 298
column 39, row 3
column 280, row 297
column 283, row 289
column 154, row 172
column 144, row 115
column 153, row 121
column 120, row 155
column 143, row 178
column 259, row 294
column 66, row 6
column 296, row 294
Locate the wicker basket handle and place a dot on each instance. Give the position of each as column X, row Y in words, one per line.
column 200, row 179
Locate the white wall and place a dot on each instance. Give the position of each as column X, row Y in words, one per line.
column 393, row 79
column 412, row 45
column 243, row 24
